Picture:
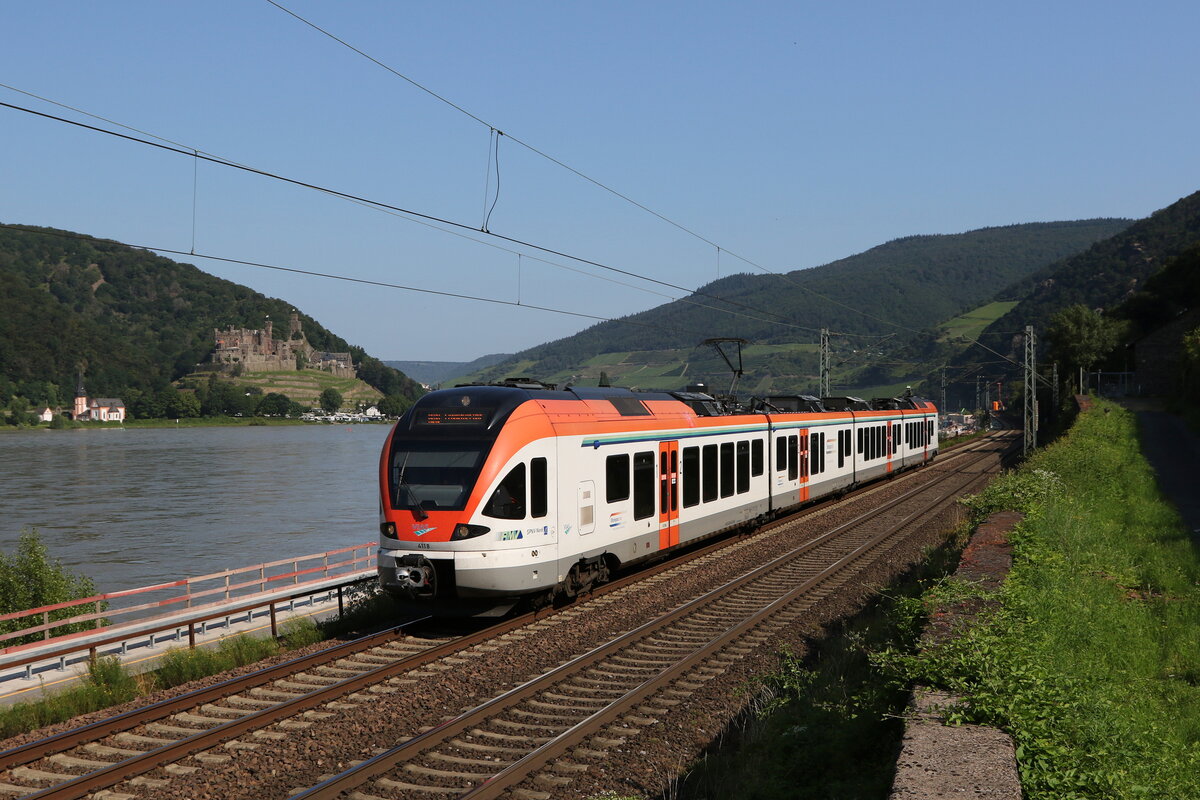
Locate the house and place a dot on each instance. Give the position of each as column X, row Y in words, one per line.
column 46, row 414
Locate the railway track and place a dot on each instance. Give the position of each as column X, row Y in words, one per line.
column 259, row 709
column 534, row 739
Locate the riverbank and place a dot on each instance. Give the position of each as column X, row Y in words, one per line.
column 193, row 422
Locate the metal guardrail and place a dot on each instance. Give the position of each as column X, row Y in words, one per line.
column 270, row 583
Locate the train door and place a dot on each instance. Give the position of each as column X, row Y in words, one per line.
column 889, row 444
column 668, row 494
column 804, row 473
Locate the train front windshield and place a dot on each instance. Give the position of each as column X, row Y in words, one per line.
column 434, row 475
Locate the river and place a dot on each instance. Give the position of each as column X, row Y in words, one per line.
column 131, row 507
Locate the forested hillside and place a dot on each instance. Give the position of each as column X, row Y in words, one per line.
column 1107, row 273
column 132, row 320
column 916, row 282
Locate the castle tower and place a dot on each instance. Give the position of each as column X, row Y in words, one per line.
column 267, row 342
column 294, row 325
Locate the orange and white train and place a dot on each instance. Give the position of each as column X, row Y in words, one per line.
column 494, row 493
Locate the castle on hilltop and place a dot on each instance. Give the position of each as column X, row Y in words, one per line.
column 260, row 351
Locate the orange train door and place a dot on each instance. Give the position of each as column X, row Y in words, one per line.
column 889, row 446
column 668, row 494
column 804, row 465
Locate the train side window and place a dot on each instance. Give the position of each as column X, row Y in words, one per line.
column 860, row 441
column 691, row 476
column 814, row 449
column 508, row 500
column 643, row 485
column 727, row 470
column 793, row 444
column 821, row 450
column 537, row 488
column 712, row 473
column 616, row 478
column 756, row 458
column 743, row 467
column 781, row 454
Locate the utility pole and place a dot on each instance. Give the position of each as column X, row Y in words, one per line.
column 825, row 361
column 1054, row 377
column 978, row 394
column 1030, row 437
column 943, row 405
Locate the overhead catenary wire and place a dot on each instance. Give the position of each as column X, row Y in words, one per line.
column 410, row 213
column 582, row 175
column 327, row 275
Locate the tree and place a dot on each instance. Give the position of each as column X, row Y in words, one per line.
column 331, row 400
column 1080, row 337
column 274, row 405
column 393, row 405
column 30, row 578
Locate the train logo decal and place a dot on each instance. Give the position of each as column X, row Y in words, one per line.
column 508, row 536
column 616, row 520
column 421, row 530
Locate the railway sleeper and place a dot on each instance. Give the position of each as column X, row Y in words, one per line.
column 107, row 750
column 447, row 774
column 477, row 747
column 405, row 788
column 39, row 775
column 513, row 739
column 75, row 762
column 495, row 763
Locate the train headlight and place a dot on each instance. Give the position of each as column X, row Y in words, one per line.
column 388, row 529
column 468, row 532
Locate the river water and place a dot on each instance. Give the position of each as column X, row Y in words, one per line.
column 132, row 507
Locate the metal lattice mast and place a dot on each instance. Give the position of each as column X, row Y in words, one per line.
column 943, row 405
column 978, row 394
column 825, row 362
column 1030, row 437
column 1054, row 378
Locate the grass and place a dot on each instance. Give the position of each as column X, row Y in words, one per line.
column 972, row 323
column 108, row 682
column 1092, row 663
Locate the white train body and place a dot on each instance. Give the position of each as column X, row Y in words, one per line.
column 495, row 492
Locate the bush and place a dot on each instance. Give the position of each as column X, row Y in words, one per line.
column 30, row 578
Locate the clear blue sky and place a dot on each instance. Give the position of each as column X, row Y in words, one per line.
column 792, row 133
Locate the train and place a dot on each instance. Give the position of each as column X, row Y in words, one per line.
column 498, row 493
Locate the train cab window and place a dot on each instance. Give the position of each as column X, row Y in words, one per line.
column 508, row 500
column 712, row 474
column 727, row 471
column 781, row 454
column 537, row 488
column 616, row 478
column 793, row 444
column 691, row 476
column 743, row 467
column 643, row 485
column 756, row 458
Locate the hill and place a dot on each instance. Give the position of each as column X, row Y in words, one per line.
column 1120, row 274
column 915, row 282
column 1109, row 272
column 432, row 373
column 133, row 321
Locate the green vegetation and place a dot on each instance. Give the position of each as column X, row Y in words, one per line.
column 1092, row 662
column 913, row 282
column 969, row 325
column 330, row 400
column 108, row 683
column 30, row 578
column 133, row 322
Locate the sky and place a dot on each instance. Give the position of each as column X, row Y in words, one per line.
column 771, row 136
